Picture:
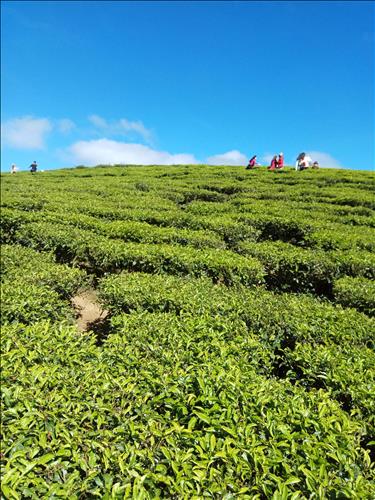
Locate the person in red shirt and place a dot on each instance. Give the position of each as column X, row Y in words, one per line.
column 273, row 163
column 252, row 162
column 280, row 161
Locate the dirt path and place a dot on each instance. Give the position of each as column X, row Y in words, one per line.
column 88, row 309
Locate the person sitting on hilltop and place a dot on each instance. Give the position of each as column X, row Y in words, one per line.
column 315, row 165
column 252, row 162
column 273, row 164
column 303, row 161
column 299, row 160
column 280, row 161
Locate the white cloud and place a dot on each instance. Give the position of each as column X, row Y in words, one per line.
column 122, row 127
column 98, row 121
column 25, row 132
column 233, row 157
column 105, row 151
column 137, row 127
column 325, row 160
column 65, row 125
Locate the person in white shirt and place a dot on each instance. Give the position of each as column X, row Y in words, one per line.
column 300, row 161
column 308, row 161
column 303, row 161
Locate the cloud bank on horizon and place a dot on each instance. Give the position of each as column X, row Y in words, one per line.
column 105, row 151
column 134, row 144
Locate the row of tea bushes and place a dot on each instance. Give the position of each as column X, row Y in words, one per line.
column 356, row 292
column 308, row 322
column 334, row 236
column 169, row 407
column 293, row 225
column 90, row 215
column 26, row 303
column 301, row 270
column 171, row 226
column 346, row 371
column 301, row 230
column 288, row 267
column 20, row 263
column 138, row 231
column 233, row 228
column 146, row 233
column 34, row 287
column 101, row 255
column 307, row 318
column 244, row 202
column 279, row 190
column 230, row 229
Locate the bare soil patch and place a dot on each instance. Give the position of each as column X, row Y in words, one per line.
column 89, row 311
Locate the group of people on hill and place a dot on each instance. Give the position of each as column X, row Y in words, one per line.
column 303, row 162
column 33, row 168
column 277, row 162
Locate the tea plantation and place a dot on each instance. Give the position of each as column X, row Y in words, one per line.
column 236, row 359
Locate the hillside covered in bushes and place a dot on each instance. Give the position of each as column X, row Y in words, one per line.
column 235, row 358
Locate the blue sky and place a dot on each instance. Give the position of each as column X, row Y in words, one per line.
column 186, row 82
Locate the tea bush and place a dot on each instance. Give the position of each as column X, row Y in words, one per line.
column 291, row 268
column 34, row 287
column 237, row 356
column 356, row 292
column 27, row 265
column 170, row 407
column 101, row 255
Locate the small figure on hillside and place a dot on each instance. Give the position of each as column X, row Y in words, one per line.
column 252, row 162
column 303, row 161
column 299, row 160
column 273, row 164
column 13, row 169
column 280, row 161
column 33, row 167
column 315, row 165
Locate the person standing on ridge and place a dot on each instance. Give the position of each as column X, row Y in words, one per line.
column 252, row 162
column 33, row 167
column 13, row 169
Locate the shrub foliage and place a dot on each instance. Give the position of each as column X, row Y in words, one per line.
column 237, row 359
